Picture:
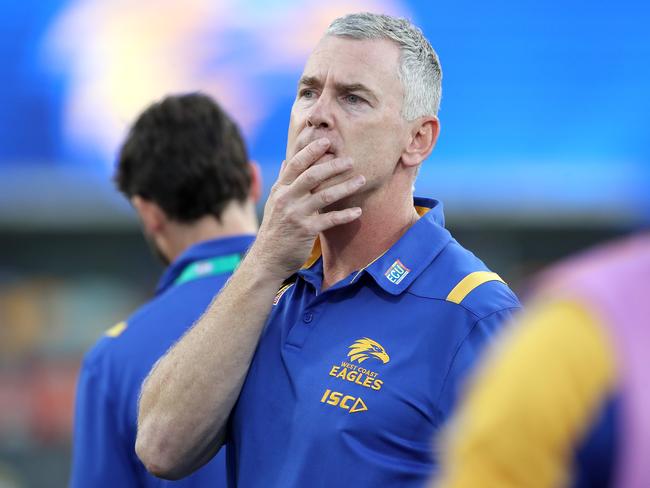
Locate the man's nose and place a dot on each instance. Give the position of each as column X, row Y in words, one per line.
column 320, row 114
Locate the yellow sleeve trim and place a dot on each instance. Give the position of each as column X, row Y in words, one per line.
column 116, row 330
column 471, row 281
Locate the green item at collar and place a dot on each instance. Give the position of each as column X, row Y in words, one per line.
column 209, row 267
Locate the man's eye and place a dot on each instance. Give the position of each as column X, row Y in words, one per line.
column 353, row 99
column 307, row 93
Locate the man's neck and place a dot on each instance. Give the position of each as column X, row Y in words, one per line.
column 236, row 219
column 353, row 246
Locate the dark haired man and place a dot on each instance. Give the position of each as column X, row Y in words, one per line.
column 185, row 169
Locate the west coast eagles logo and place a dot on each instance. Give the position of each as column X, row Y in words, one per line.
column 366, row 348
column 360, row 350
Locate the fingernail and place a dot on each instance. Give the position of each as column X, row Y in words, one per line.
column 323, row 142
column 359, row 180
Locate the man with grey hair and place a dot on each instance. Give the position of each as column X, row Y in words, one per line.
column 335, row 351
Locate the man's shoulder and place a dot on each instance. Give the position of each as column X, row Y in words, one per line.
column 118, row 342
column 457, row 276
column 149, row 331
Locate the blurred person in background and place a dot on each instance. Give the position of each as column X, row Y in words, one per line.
column 338, row 371
column 563, row 400
column 185, row 169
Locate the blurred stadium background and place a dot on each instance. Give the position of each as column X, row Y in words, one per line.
column 544, row 150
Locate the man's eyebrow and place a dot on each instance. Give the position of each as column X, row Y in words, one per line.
column 356, row 87
column 353, row 87
column 310, row 81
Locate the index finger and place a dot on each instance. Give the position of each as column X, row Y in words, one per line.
column 302, row 160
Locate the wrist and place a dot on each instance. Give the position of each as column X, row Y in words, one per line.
column 264, row 268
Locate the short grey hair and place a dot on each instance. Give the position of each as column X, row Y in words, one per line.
column 419, row 71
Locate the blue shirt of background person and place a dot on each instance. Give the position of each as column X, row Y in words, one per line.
column 184, row 168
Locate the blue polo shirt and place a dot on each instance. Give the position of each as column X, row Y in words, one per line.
column 348, row 386
column 112, row 372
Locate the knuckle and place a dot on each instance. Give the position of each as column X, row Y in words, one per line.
column 301, row 162
column 296, row 220
column 326, row 197
column 311, row 179
column 296, row 162
column 335, row 218
column 337, row 164
column 301, row 226
column 293, row 221
column 292, row 164
column 281, row 200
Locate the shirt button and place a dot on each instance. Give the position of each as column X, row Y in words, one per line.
column 308, row 317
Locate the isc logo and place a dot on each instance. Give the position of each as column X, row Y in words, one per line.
column 346, row 402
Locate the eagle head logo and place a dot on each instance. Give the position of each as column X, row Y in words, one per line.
column 365, row 348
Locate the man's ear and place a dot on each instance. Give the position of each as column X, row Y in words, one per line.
column 152, row 216
column 255, row 191
column 422, row 140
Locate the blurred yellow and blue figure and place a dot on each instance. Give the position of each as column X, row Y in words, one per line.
column 563, row 401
